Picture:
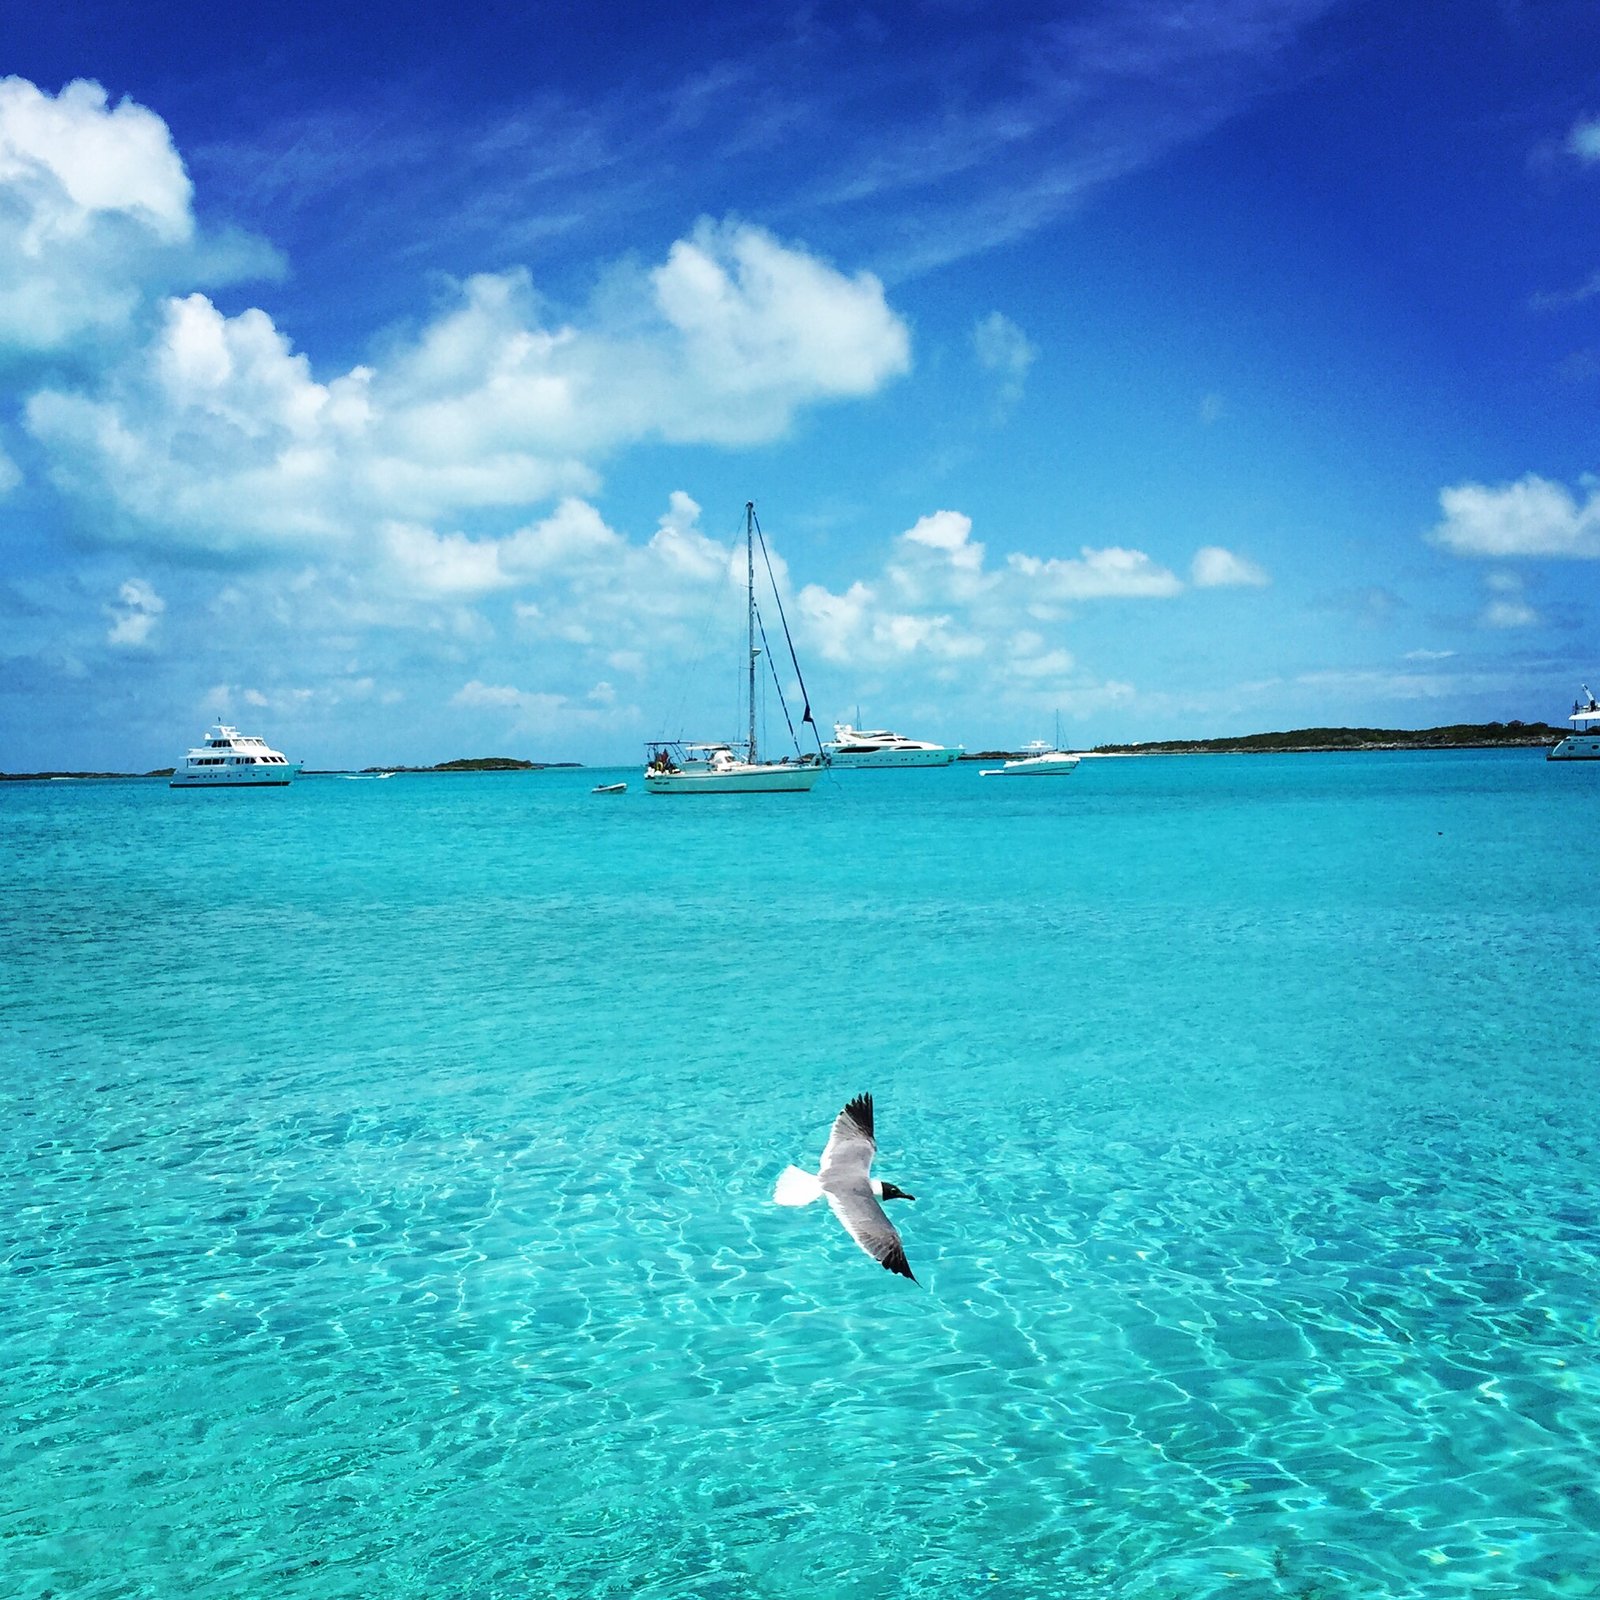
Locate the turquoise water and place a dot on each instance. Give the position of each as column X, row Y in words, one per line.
column 386, row 1167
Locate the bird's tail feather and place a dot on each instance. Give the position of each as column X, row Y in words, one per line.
column 796, row 1188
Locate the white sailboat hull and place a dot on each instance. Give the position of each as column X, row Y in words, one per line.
column 741, row 778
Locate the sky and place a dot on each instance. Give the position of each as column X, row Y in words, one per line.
column 390, row 381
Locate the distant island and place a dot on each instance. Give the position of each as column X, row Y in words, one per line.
column 1457, row 736
column 482, row 764
column 474, row 764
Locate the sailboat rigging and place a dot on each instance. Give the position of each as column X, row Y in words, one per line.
column 707, row 768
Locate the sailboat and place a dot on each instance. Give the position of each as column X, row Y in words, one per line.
column 711, row 768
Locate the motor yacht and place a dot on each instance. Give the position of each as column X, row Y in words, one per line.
column 232, row 760
column 878, row 747
column 1040, row 760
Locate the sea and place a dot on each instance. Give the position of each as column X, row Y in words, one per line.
column 386, row 1174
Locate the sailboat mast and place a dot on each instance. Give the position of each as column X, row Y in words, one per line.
column 750, row 587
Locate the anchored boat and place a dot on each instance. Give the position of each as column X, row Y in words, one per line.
column 1583, row 743
column 727, row 768
column 232, row 760
column 878, row 747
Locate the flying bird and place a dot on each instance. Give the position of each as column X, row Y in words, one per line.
column 842, row 1180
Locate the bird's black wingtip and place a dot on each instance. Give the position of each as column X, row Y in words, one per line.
column 896, row 1261
column 859, row 1112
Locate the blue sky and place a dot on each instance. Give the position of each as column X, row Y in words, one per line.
column 392, row 382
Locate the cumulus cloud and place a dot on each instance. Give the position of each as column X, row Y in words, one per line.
column 134, row 616
column 938, row 604
column 1531, row 517
column 1110, row 573
column 956, row 557
column 762, row 328
column 218, row 436
column 95, row 218
column 856, row 628
column 1216, row 568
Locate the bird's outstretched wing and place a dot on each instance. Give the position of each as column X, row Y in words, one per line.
column 847, row 1157
column 864, row 1220
column 847, row 1187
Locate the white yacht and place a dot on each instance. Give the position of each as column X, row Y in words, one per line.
column 678, row 768
column 1040, row 759
column 878, row 747
column 233, row 760
column 1583, row 743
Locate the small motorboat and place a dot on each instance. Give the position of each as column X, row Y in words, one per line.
column 1041, row 760
column 609, row 788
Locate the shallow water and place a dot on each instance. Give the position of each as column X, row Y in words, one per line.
column 387, row 1171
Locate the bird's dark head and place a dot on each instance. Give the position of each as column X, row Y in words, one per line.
column 890, row 1192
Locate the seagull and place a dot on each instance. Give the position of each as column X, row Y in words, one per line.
column 842, row 1180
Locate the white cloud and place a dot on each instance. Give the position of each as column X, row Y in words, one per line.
column 1110, row 573
column 1508, row 609
column 95, row 218
column 950, row 533
column 1216, row 568
column 762, row 328
column 486, row 694
column 681, row 548
column 937, row 605
column 217, row 436
column 572, row 537
column 429, row 564
column 1429, row 655
column 1531, row 517
column 134, row 617
column 1003, row 349
column 857, row 630
column 81, row 157
column 1509, row 614
column 1583, row 140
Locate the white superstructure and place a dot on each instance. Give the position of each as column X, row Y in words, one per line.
column 232, row 760
column 1583, row 743
column 878, row 747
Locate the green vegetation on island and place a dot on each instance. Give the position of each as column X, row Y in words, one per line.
column 481, row 764
column 1457, row 736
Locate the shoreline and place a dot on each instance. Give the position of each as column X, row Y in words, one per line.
column 1300, row 741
